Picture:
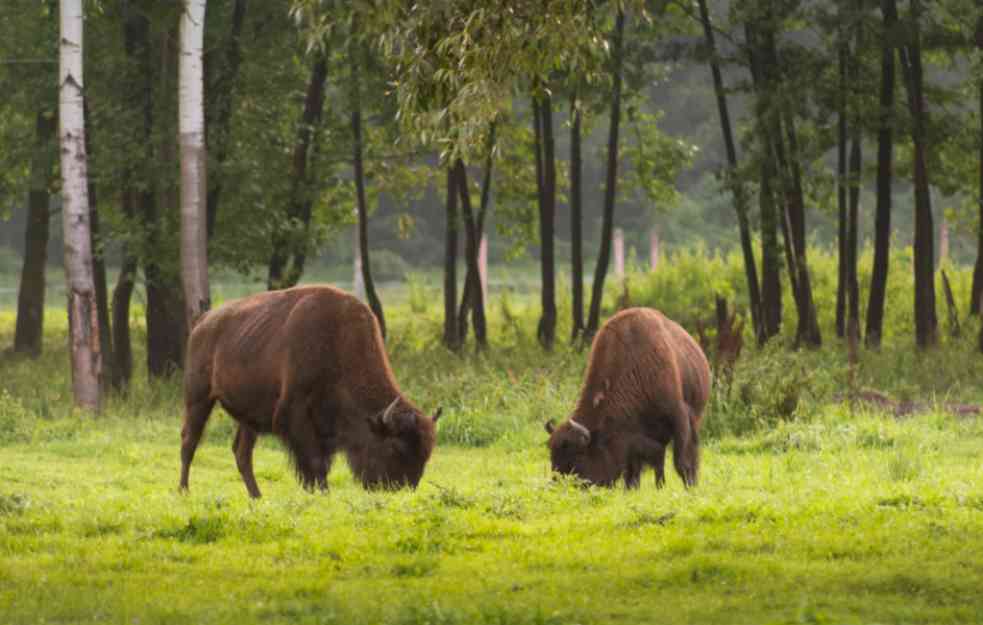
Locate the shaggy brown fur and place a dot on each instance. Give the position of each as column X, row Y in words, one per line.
column 647, row 384
column 309, row 365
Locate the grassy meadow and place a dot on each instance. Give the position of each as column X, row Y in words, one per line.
column 809, row 509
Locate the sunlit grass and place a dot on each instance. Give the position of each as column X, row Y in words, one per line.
column 807, row 511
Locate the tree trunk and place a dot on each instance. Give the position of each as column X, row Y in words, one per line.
column 885, row 167
column 808, row 330
column 165, row 313
column 363, row 217
column 472, row 281
column 472, row 287
column 732, row 179
column 194, row 186
column 926, row 322
column 29, row 329
column 451, row 336
column 771, row 288
column 546, row 331
column 856, row 161
column 576, row 223
column 219, row 94
column 122, row 346
column 283, row 273
column 841, row 192
column 99, row 266
column 790, row 175
column 607, row 224
column 852, row 285
column 83, row 317
column 137, row 47
column 976, row 294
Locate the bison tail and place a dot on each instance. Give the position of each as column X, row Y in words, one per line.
column 686, row 452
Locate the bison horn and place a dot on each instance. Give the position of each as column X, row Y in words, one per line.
column 582, row 430
column 436, row 414
column 387, row 415
column 549, row 426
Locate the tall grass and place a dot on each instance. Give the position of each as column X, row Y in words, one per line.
column 505, row 393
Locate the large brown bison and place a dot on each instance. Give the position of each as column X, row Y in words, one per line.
column 647, row 384
column 307, row 364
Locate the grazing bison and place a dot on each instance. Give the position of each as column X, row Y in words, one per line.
column 307, row 364
column 647, row 384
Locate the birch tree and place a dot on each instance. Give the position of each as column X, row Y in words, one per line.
column 191, row 136
column 82, row 315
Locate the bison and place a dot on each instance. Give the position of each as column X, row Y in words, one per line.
column 308, row 365
column 647, row 384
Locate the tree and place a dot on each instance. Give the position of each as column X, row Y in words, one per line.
column 167, row 328
column 194, row 186
column 771, row 291
column 98, row 247
column 607, row 225
column 82, row 312
column 29, row 328
column 452, row 338
column 221, row 79
column 542, row 108
column 856, row 161
column 885, row 157
column 976, row 294
column 363, row 228
column 732, row 178
column 842, row 277
column 576, row 222
column 926, row 322
column 473, row 297
column 287, row 261
column 136, row 198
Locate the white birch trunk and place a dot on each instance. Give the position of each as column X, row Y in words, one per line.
column 82, row 316
column 358, row 282
column 619, row 252
column 653, row 249
column 191, row 136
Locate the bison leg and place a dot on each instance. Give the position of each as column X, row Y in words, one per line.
column 311, row 460
column 242, row 447
column 659, row 462
column 633, row 473
column 196, row 414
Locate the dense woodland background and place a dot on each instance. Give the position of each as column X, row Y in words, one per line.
column 834, row 128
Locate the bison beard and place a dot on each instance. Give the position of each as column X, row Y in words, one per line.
column 647, row 385
column 307, row 364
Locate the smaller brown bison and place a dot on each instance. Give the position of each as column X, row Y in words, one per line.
column 647, row 384
column 307, row 364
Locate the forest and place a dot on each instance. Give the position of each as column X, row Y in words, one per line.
column 797, row 183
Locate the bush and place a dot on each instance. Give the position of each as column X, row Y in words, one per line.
column 388, row 265
column 17, row 423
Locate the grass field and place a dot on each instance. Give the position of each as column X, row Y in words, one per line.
column 807, row 511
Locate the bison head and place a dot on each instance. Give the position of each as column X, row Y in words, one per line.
column 594, row 456
column 401, row 440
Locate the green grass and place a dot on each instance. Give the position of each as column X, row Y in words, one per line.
column 862, row 520
column 806, row 512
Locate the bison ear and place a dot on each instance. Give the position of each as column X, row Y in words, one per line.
column 549, row 426
column 436, row 414
column 376, row 425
